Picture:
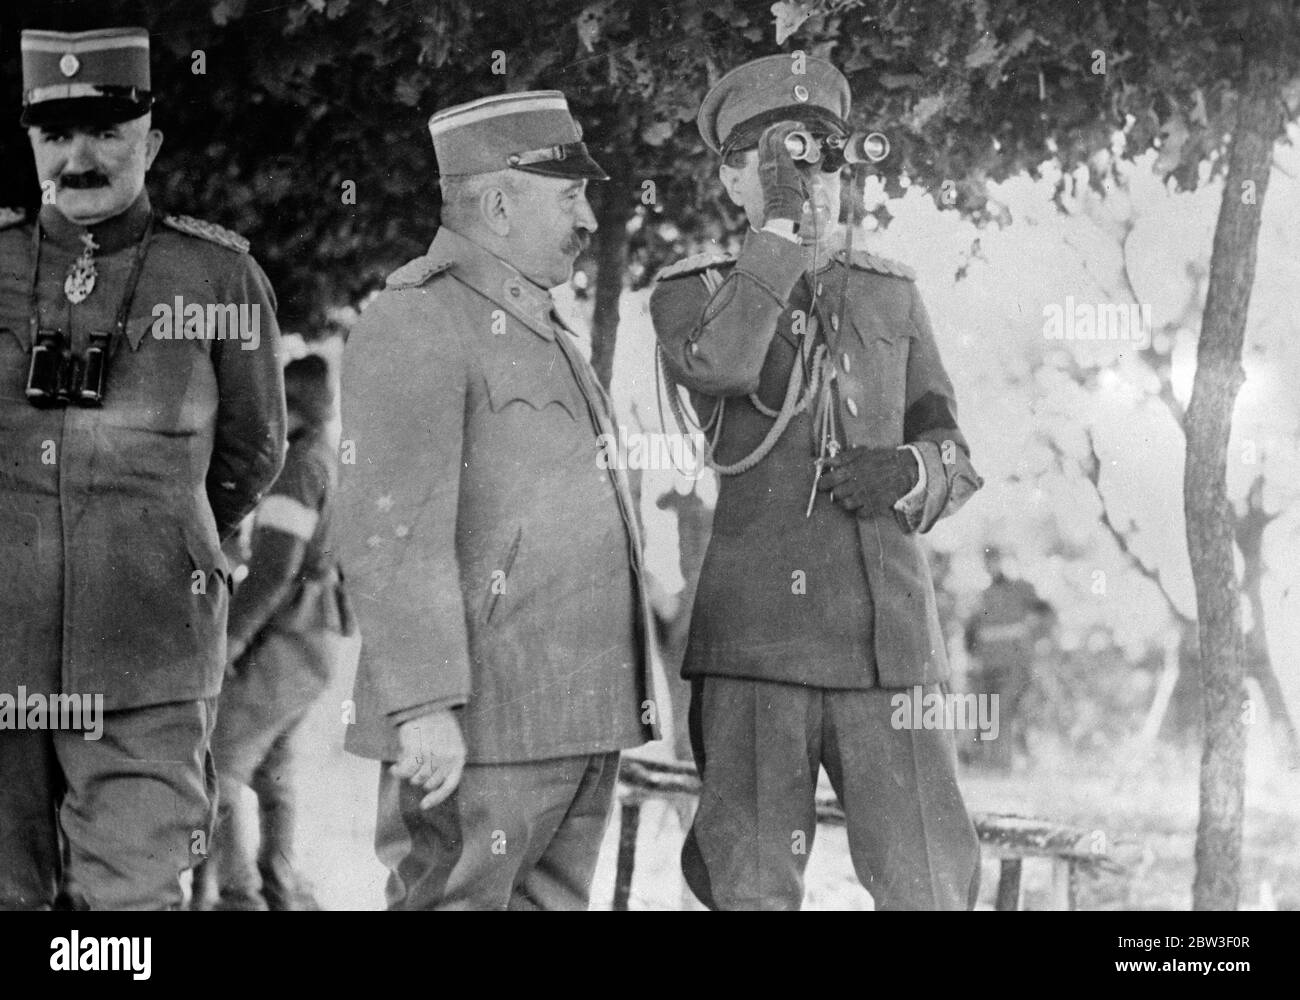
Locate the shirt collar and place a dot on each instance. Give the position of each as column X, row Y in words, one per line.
column 497, row 280
column 113, row 234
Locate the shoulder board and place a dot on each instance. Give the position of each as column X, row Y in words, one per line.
column 695, row 264
column 416, row 272
column 864, row 261
column 209, row 231
column 10, row 217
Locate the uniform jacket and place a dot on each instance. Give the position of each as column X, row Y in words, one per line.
column 832, row 600
column 111, row 517
column 312, row 603
column 492, row 561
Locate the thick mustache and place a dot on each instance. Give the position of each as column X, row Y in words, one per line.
column 577, row 242
column 89, row 179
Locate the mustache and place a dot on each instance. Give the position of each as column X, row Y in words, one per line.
column 83, row 181
column 577, row 242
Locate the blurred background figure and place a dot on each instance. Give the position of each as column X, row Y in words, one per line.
column 1005, row 626
column 287, row 617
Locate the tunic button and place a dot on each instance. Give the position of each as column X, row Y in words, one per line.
column 835, row 323
column 853, row 407
column 819, row 288
column 694, row 349
column 844, row 360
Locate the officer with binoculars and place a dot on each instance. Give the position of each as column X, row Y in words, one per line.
column 814, row 373
column 127, row 455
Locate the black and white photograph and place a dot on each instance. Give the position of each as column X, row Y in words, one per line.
column 605, row 455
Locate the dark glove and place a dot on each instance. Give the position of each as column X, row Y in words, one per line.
column 784, row 188
column 869, row 481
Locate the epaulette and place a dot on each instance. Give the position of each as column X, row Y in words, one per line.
column 209, row 231
column 415, row 273
column 695, row 264
column 865, row 261
column 10, row 217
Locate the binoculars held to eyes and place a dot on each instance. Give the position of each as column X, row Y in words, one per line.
column 833, row 151
column 57, row 377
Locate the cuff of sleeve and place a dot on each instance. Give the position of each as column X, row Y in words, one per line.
column 910, row 507
column 405, row 715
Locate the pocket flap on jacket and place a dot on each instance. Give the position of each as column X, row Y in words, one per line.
column 511, row 381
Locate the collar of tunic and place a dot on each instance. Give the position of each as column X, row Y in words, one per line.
column 113, row 234
column 495, row 279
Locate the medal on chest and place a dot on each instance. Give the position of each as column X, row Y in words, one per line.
column 80, row 281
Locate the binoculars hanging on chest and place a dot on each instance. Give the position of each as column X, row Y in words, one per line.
column 58, row 377
column 837, row 150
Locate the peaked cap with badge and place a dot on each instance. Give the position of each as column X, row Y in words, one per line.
column 751, row 97
column 795, row 359
column 85, row 77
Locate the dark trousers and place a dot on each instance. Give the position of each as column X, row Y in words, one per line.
column 759, row 746
column 110, row 823
column 512, row 836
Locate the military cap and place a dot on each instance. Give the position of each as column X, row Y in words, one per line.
column 85, row 77
column 793, row 87
column 531, row 131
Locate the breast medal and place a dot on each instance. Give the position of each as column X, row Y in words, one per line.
column 80, row 281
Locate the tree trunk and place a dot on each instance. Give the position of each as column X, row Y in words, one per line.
column 612, row 214
column 1209, row 516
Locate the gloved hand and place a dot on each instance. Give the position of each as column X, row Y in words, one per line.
column 868, row 481
column 784, row 187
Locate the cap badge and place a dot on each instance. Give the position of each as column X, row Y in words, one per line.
column 69, row 64
column 800, row 93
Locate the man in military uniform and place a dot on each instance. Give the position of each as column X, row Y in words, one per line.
column 1002, row 634
column 285, row 620
column 816, row 376
column 498, row 581
column 127, row 456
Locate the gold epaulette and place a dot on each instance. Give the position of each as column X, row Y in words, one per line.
column 695, row 264
column 865, row 261
column 415, row 273
column 209, row 231
column 10, row 217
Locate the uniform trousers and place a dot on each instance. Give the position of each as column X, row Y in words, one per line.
column 263, row 706
column 520, row 836
column 759, row 746
column 106, row 824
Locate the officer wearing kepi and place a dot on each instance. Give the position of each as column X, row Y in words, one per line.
column 814, row 374
column 141, row 416
column 498, row 579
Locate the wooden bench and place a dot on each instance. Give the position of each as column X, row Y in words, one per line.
column 1073, row 852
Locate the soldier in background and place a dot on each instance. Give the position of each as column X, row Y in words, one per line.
column 1004, row 628
column 134, row 439
column 285, row 620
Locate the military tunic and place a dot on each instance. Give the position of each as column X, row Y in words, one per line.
column 107, row 514
column 493, row 562
column 110, row 525
column 833, row 600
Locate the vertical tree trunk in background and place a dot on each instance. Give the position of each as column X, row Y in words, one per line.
column 1210, row 543
column 613, row 211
